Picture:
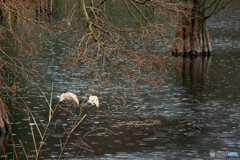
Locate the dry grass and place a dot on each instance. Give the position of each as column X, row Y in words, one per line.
column 47, row 128
column 70, row 96
column 93, row 100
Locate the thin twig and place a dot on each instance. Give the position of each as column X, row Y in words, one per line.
column 23, row 149
column 34, row 141
column 97, row 129
column 50, row 106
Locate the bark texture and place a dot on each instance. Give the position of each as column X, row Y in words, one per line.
column 4, row 121
column 192, row 38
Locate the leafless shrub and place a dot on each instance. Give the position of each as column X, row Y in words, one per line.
column 102, row 49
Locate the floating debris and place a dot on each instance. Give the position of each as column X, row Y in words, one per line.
column 138, row 123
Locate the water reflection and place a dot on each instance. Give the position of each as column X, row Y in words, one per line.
column 194, row 70
column 191, row 128
column 3, row 144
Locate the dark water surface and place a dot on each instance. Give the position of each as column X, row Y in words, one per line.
column 199, row 108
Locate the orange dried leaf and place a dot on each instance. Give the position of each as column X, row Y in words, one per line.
column 80, row 50
column 75, row 63
column 163, row 63
column 14, row 87
column 26, row 51
column 62, row 66
column 28, row 34
column 179, row 31
column 152, row 33
column 137, row 92
column 68, row 10
column 60, row 27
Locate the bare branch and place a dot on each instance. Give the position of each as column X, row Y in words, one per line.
column 139, row 10
column 211, row 4
column 131, row 12
column 221, row 8
column 141, row 2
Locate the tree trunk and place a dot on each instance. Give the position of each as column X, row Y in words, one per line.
column 4, row 121
column 192, row 38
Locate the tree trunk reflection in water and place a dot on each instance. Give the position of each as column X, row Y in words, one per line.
column 194, row 69
column 3, row 143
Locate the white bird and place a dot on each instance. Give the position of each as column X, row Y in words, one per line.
column 70, row 96
column 93, row 100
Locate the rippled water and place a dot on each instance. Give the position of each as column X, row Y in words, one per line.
column 199, row 108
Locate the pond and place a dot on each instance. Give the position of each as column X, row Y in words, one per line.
column 195, row 113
